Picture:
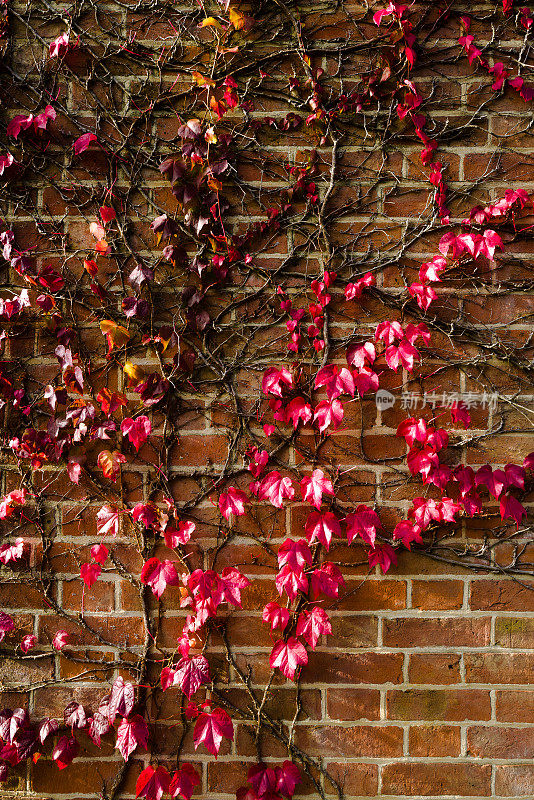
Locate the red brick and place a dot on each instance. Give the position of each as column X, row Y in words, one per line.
column 435, row 595
column 359, row 780
column 353, row 668
column 502, row 595
column 439, row 704
column 347, row 704
column 515, row 705
column 444, row 632
column 435, row 741
column 434, row 668
column 515, row 780
column 499, row 667
column 357, row 740
column 495, row 742
column 465, row 780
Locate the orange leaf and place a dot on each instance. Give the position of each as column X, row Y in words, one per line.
column 200, row 80
column 116, row 335
column 239, row 20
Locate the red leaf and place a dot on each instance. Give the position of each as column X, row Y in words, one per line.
column 311, row 625
column 107, row 213
column 191, row 673
column 232, row 502
column 158, row 575
column 90, row 573
column 314, row 487
column 174, row 537
column 66, row 749
column 288, row 776
column 275, row 615
column 233, row 581
column 322, row 527
column 138, row 430
column 512, row 509
column 121, row 700
column 184, row 782
column 384, row 555
column 274, row 378
column 327, row 579
column 328, row 413
column 263, row 779
column 363, row 522
column 152, row 783
column 83, row 142
column 130, row 734
column 210, row 729
column 288, row 656
column 99, row 552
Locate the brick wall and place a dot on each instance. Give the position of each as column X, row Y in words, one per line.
column 424, row 687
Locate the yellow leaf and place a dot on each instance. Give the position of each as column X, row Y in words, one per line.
column 134, row 373
column 211, row 22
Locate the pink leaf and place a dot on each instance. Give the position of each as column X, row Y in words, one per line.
column 232, row 502
column 74, row 715
column 65, row 751
column 311, row 625
column 60, row 640
column 90, row 573
column 322, row 527
column 274, row 378
column 276, row 489
column 28, row 642
column 328, row 413
column 233, row 581
column 326, row 580
column 108, row 521
column 288, row 656
column 130, row 734
column 158, row 575
column 210, row 728
column 6, row 625
column 174, row 537
column 313, row 488
column 138, row 430
column 191, row 673
column 276, row 616
column 363, row 522
column 152, row 783
column 121, row 700
column 83, row 142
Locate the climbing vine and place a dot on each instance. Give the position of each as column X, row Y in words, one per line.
column 230, row 311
